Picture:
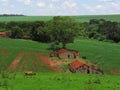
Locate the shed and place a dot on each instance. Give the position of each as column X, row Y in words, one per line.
column 3, row 34
column 78, row 66
column 64, row 54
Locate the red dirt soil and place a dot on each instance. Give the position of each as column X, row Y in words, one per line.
column 53, row 64
column 14, row 64
column 3, row 51
column 116, row 72
column 48, row 62
column 24, row 65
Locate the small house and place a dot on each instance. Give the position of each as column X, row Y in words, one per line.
column 3, row 34
column 78, row 66
column 64, row 54
column 26, row 37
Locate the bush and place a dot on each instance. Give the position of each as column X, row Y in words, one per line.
column 97, row 81
column 4, row 75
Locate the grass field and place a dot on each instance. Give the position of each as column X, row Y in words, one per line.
column 106, row 54
column 59, row 81
column 82, row 18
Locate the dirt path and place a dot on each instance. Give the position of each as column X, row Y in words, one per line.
column 14, row 64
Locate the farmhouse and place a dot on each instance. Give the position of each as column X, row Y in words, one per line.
column 64, row 54
column 78, row 66
column 3, row 34
column 26, row 37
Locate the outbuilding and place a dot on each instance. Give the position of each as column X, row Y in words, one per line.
column 65, row 54
column 78, row 66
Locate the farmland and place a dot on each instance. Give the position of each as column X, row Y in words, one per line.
column 32, row 58
column 106, row 54
column 82, row 18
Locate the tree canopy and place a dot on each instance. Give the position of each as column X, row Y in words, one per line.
column 63, row 30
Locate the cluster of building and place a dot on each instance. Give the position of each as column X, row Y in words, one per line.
column 76, row 66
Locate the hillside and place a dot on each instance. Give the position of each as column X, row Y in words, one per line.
column 104, row 53
column 82, row 18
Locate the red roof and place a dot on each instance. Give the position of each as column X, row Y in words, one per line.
column 26, row 37
column 62, row 51
column 76, row 64
column 2, row 33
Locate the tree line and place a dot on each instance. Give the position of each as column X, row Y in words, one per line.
column 64, row 30
column 1, row 15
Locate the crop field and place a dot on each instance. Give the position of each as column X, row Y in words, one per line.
column 21, row 45
column 86, row 18
column 105, row 54
column 18, row 55
column 58, row 81
column 25, row 18
column 82, row 18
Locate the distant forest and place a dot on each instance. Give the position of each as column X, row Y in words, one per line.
column 1, row 15
column 64, row 29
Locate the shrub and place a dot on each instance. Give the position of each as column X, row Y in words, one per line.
column 97, row 81
column 4, row 75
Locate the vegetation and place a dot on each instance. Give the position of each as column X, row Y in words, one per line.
column 104, row 54
column 64, row 29
column 58, row 81
column 84, row 18
column 77, row 33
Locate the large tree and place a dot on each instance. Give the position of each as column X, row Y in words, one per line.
column 16, row 32
column 63, row 29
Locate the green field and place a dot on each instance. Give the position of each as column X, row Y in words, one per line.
column 82, row 18
column 106, row 54
column 59, row 81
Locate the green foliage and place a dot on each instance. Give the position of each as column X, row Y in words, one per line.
column 4, row 74
column 103, row 30
column 63, row 29
column 16, row 32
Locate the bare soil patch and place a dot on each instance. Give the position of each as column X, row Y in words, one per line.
column 14, row 64
column 116, row 72
column 3, row 51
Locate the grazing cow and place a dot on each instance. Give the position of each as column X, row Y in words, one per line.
column 30, row 73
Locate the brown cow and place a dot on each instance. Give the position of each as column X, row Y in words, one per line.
column 30, row 73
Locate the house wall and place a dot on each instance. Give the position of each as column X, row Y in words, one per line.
column 94, row 71
column 66, row 55
column 85, row 70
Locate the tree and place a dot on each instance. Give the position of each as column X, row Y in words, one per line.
column 16, row 32
column 113, row 31
column 63, row 29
